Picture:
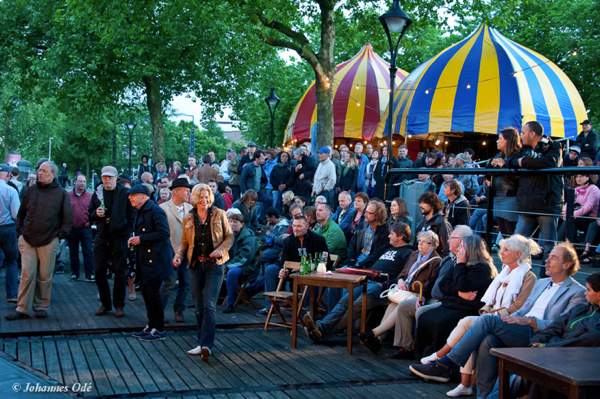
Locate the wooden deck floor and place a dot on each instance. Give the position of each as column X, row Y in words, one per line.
column 247, row 363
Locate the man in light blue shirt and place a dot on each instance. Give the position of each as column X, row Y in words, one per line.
column 9, row 208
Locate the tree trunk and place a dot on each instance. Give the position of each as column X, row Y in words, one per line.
column 154, row 103
column 324, row 76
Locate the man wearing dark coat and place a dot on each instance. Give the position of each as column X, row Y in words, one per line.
column 154, row 255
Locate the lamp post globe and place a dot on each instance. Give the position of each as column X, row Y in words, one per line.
column 272, row 101
column 131, row 127
column 394, row 21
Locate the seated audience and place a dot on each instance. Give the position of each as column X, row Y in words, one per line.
column 277, row 226
column 247, row 207
column 433, row 219
column 390, row 262
column 550, row 298
column 457, row 207
column 399, row 213
column 334, row 236
column 421, row 266
column 587, row 196
column 345, row 212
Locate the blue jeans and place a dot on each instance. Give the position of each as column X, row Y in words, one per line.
column 268, row 282
column 547, row 224
column 8, row 243
column 337, row 318
column 85, row 237
column 270, row 255
column 489, row 331
column 233, row 279
column 205, row 283
column 478, row 220
column 181, row 274
column 277, row 199
column 265, row 202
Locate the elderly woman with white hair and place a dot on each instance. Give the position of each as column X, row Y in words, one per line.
column 505, row 295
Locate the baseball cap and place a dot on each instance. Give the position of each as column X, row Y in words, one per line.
column 323, row 150
column 586, row 122
column 576, row 149
column 5, row 168
column 110, row 171
column 251, row 144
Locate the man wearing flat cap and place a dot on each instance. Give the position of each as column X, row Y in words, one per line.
column 587, row 140
column 154, row 255
column 45, row 217
column 175, row 209
column 114, row 216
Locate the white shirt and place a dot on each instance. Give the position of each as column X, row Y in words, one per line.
column 539, row 307
column 181, row 210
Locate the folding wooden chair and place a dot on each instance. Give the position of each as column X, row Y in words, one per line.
column 279, row 296
column 242, row 295
column 321, row 305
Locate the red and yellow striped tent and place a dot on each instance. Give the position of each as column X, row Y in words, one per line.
column 361, row 95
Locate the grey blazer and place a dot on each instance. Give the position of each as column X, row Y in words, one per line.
column 569, row 294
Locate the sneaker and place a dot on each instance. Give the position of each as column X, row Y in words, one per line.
column 132, row 296
column 142, row 333
column 264, row 312
column 74, row 277
column 12, row 300
column 311, row 329
column 460, row 390
column 228, row 309
column 434, row 371
column 90, row 279
column 430, row 358
column 60, row 269
column 154, row 335
column 196, row 351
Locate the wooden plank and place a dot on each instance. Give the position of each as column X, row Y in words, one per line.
column 204, row 373
column 142, row 375
column 153, row 368
column 112, row 373
column 24, row 351
column 38, row 361
column 101, row 381
column 127, row 374
column 52, row 362
column 66, row 364
column 84, row 374
column 185, row 367
column 10, row 348
column 170, row 365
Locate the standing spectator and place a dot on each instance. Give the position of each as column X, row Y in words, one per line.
column 143, row 167
column 161, row 171
column 154, row 255
column 506, row 210
column 9, row 208
column 189, row 171
column 325, row 176
column 587, row 196
column 447, row 177
column 363, row 162
column 175, row 170
column 242, row 262
column 334, row 155
column 347, row 182
column 426, row 161
column 478, row 219
column 45, row 217
column 206, row 240
column 234, row 175
column 63, row 179
column 243, row 152
column 114, row 216
column 469, row 181
column 540, row 196
column 206, row 172
column 254, row 178
column 176, row 209
column 15, row 179
column 379, row 173
column 457, row 207
column 371, row 181
column 279, row 177
column 224, row 167
column 219, row 200
column 147, row 178
column 431, row 207
column 248, row 157
column 404, row 161
column 270, row 162
column 247, row 206
column 470, row 156
column 369, row 150
column 587, row 140
column 164, row 195
column 82, row 230
column 303, row 174
column 307, row 151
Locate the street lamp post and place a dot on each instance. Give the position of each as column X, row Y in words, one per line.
column 50, row 148
column 131, row 127
column 272, row 101
column 393, row 21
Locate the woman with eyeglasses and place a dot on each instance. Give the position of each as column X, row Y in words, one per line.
column 421, row 266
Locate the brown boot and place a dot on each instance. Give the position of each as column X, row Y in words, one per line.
column 179, row 317
column 119, row 312
column 102, row 311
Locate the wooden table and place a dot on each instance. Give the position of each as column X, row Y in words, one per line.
column 335, row 280
column 571, row 371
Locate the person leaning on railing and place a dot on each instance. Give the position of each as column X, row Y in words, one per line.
column 587, row 196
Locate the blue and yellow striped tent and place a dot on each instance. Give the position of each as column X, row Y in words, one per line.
column 484, row 84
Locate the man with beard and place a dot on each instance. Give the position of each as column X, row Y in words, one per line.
column 431, row 207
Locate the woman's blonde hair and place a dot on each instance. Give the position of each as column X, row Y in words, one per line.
column 196, row 194
column 288, row 195
column 477, row 252
column 352, row 161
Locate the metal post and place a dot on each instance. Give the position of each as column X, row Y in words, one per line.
column 130, row 172
column 570, row 220
column 489, row 228
column 393, row 70
column 50, row 149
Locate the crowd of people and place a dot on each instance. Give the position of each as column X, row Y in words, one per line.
column 209, row 226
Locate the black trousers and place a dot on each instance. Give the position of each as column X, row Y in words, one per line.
column 154, row 308
column 114, row 250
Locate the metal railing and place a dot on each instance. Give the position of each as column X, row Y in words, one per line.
column 569, row 193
